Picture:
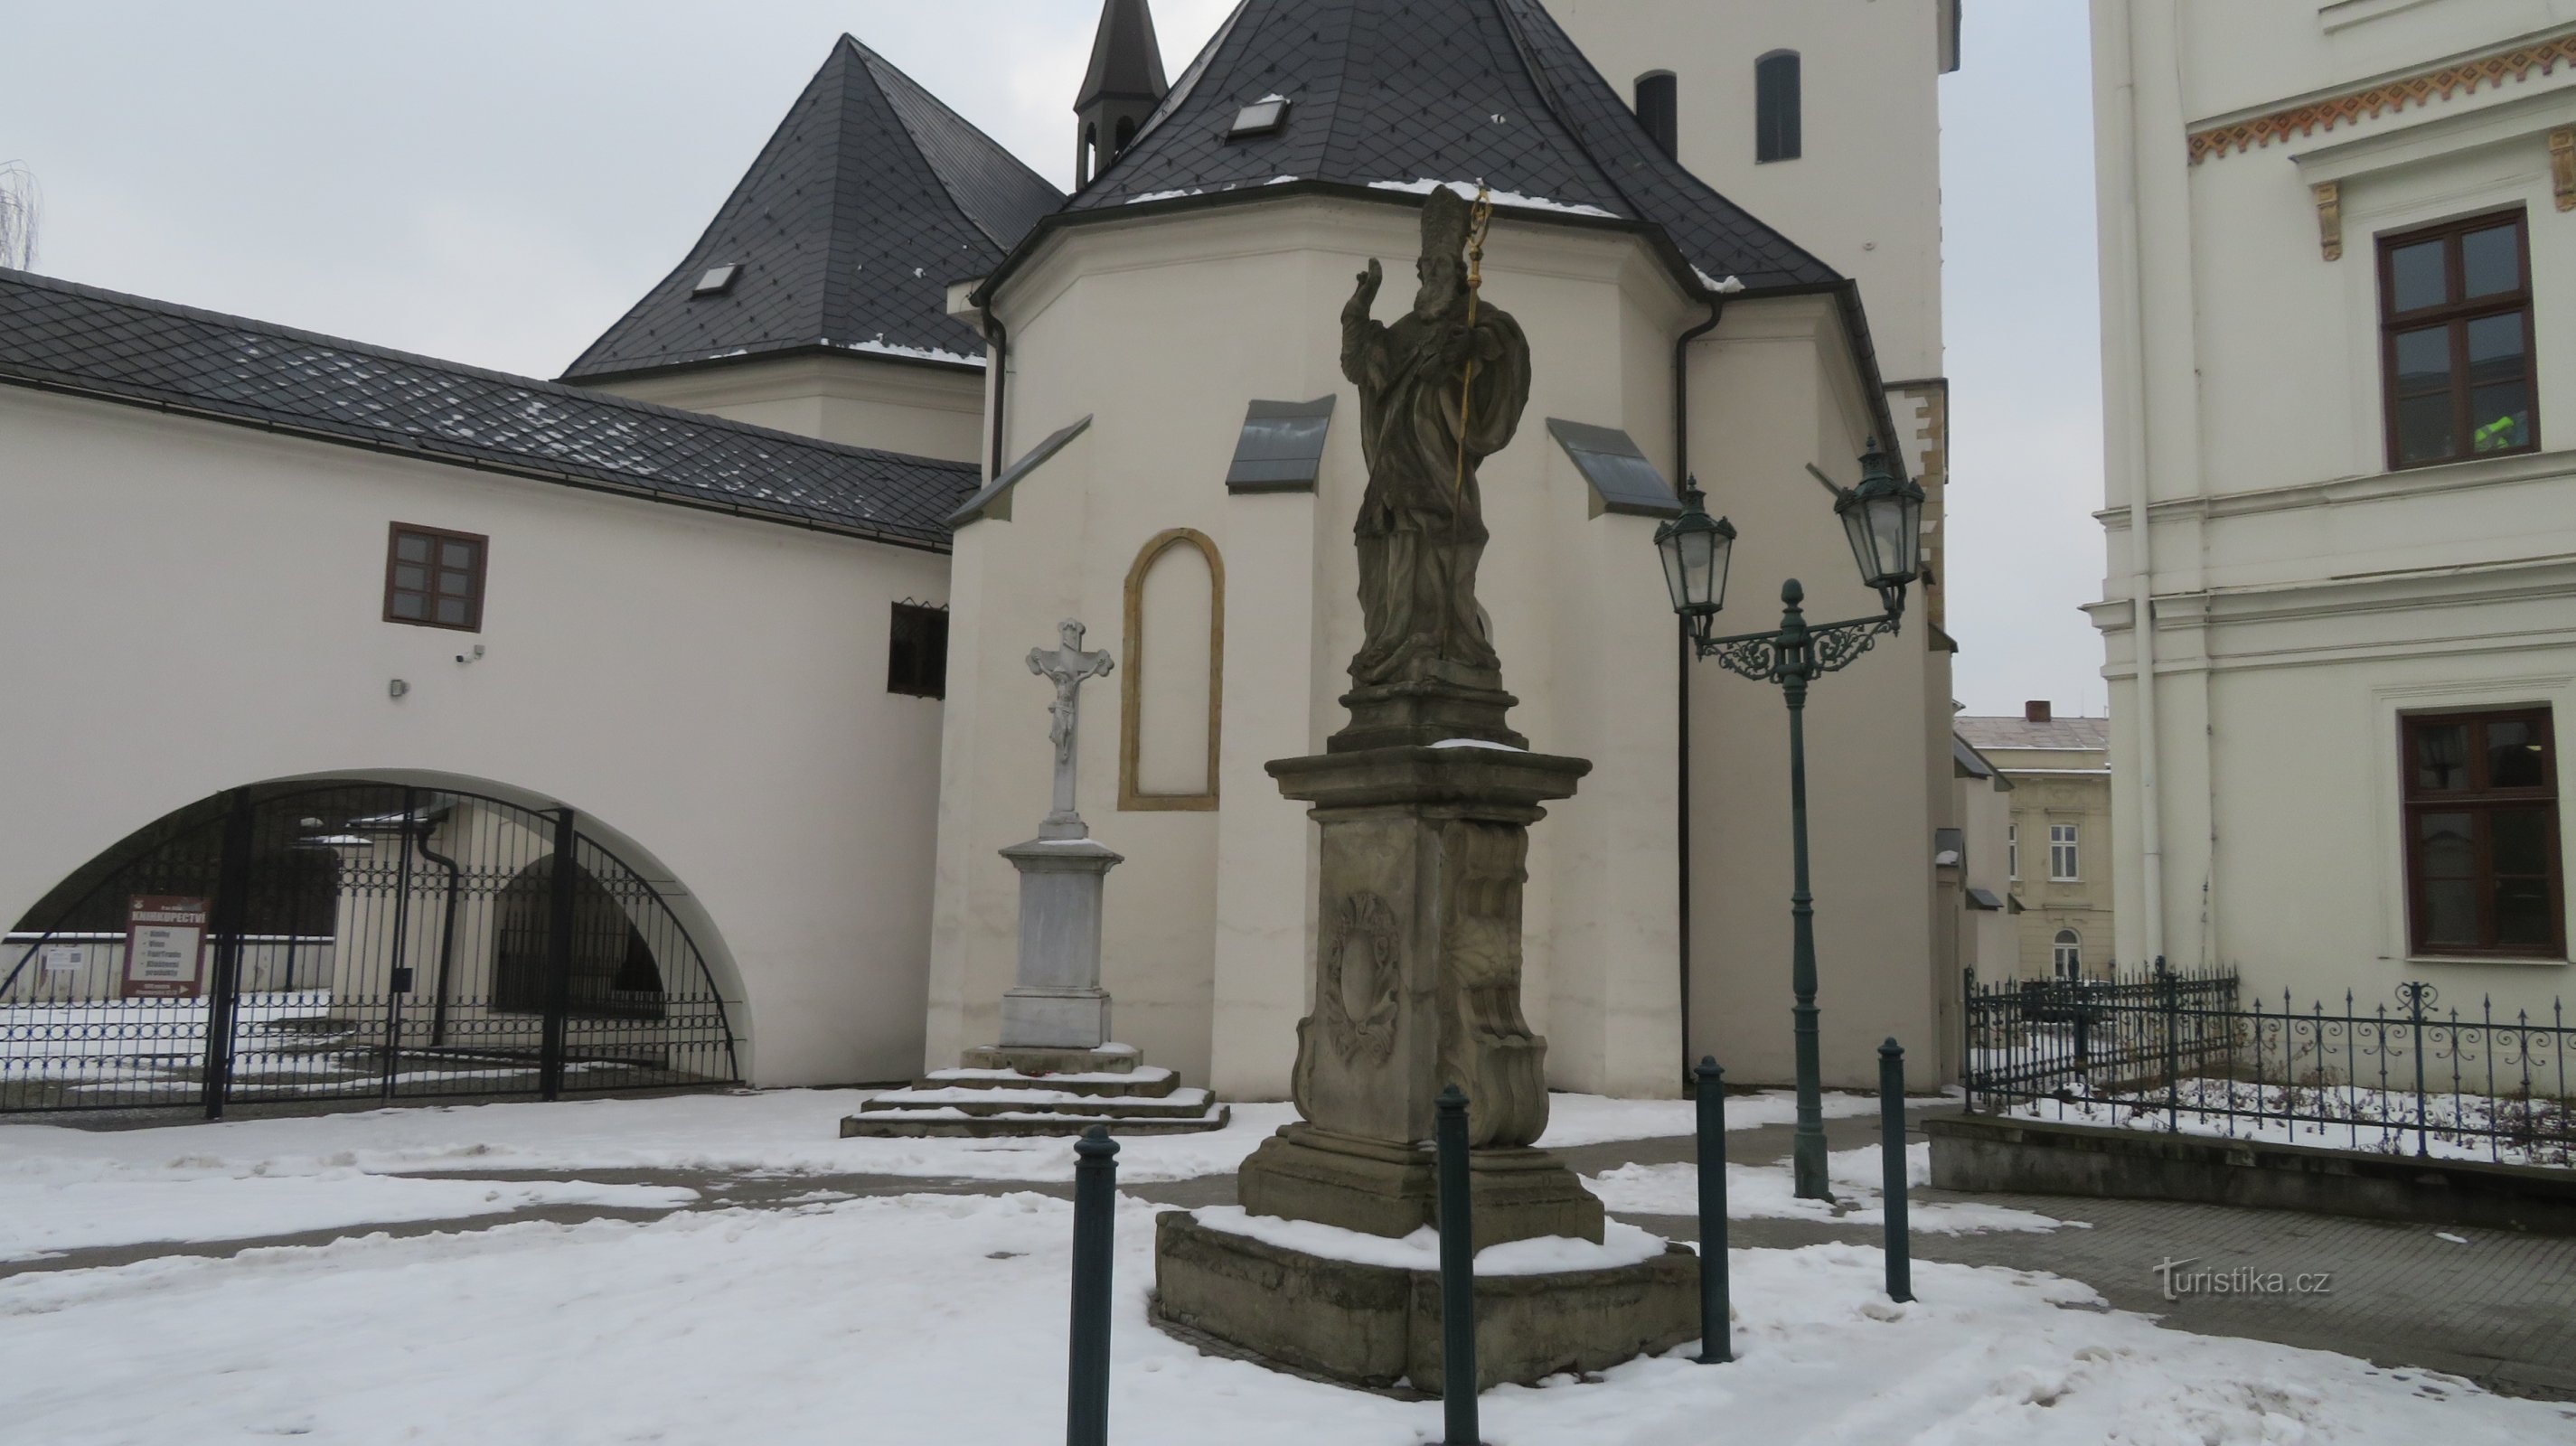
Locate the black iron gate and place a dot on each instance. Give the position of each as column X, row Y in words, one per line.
column 354, row 941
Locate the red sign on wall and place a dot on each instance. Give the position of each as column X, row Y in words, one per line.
column 165, row 947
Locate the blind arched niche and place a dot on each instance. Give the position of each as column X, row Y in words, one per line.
column 1173, row 671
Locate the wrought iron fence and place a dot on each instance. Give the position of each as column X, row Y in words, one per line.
column 2174, row 1051
column 356, row 941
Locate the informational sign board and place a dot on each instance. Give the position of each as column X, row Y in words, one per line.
column 65, row 959
column 165, row 947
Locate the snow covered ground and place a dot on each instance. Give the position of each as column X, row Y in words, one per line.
column 938, row 1319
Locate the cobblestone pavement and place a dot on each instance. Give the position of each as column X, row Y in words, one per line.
column 2495, row 1307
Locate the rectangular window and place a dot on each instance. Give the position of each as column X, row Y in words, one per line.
column 2482, row 862
column 2012, row 851
column 2456, row 337
column 434, row 578
column 917, row 651
column 2061, row 854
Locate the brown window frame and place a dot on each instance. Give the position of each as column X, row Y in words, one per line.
column 2455, row 316
column 2481, row 800
column 482, row 545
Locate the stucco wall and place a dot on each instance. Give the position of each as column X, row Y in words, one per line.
column 2303, row 594
column 920, row 409
column 710, row 690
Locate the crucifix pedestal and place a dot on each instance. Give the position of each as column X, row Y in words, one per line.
column 1055, row 1070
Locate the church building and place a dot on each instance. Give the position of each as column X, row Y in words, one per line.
column 743, row 602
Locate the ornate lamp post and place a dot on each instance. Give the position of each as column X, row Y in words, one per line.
column 1883, row 519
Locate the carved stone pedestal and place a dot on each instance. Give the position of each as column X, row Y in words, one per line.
column 1417, row 986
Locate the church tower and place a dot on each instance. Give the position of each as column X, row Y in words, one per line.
column 1122, row 88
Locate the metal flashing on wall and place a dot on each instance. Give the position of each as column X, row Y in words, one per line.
column 1622, row 479
column 1282, row 447
column 995, row 500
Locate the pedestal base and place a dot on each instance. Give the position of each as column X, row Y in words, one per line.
column 1307, row 1173
column 1374, row 1325
column 1035, row 1017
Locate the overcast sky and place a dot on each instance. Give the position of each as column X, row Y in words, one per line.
column 496, row 182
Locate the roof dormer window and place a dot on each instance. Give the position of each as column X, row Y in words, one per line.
column 1267, row 116
column 718, row 280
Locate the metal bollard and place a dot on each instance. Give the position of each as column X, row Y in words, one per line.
column 1891, row 1144
column 1716, row 1313
column 1095, row 1241
column 1457, row 1275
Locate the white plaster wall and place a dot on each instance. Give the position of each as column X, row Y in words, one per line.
column 710, row 689
column 1866, row 194
column 919, row 409
column 2304, row 595
column 1772, row 392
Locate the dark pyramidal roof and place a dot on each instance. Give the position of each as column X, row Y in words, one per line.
column 1397, row 92
column 867, row 202
column 1126, row 59
column 70, row 338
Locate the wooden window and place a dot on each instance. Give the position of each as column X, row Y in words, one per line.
column 2456, row 341
column 2066, row 954
column 2063, row 866
column 2012, row 852
column 2482, row 859
column 917, row 651
column 1776, row 118
column 434, row 578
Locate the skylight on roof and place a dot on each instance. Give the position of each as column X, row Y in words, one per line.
column 717, row 281
column 1264, row 117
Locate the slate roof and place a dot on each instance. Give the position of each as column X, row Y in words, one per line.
column 1393, row 92
column 61, row 336
column 2008, row 733
column 870, row 198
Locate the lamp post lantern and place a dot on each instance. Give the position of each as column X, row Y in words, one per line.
column 1883, row 520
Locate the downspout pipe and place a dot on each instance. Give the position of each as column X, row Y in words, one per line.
column 1681, row 691
column 2127, row 270
column 446, row 935
column 999, row 336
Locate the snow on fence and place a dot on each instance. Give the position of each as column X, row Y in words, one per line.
column 2174, row 1052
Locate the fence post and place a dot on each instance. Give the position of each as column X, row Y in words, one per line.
column 1891, row 1147
column 225, row 924
column 2170, row 989
column 2412, row 993
column 559, row 937
column 1716, row 1313
column 1095, row 1243
column 1457, row 1275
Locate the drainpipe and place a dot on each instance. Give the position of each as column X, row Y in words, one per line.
column 1000, row 337
column 446, row 934
column 1681, row 693
column 2125, row 267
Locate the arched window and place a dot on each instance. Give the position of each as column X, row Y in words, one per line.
column 1659, row 109
column 1173, row 671
column 1126, row 132
column 1776, row 107
column 1086, row 156
column 2067, row 955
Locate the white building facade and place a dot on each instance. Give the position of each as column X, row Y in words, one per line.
column 2340, row 603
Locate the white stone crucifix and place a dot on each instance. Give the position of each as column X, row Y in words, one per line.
column 1068, row 667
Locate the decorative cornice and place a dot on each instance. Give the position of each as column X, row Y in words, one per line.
column 2385, row 98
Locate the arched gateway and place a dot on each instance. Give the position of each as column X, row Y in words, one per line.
column 355, row 940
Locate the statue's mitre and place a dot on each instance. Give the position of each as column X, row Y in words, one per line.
column 1446, row 218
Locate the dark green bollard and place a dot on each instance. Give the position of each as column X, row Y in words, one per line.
column 1716, row 1329
column 1457, row 1275
column 1095, row 1242
column 1891, row 1144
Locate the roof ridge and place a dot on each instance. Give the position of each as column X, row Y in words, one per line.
column 42, row 282
column 885, row 73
